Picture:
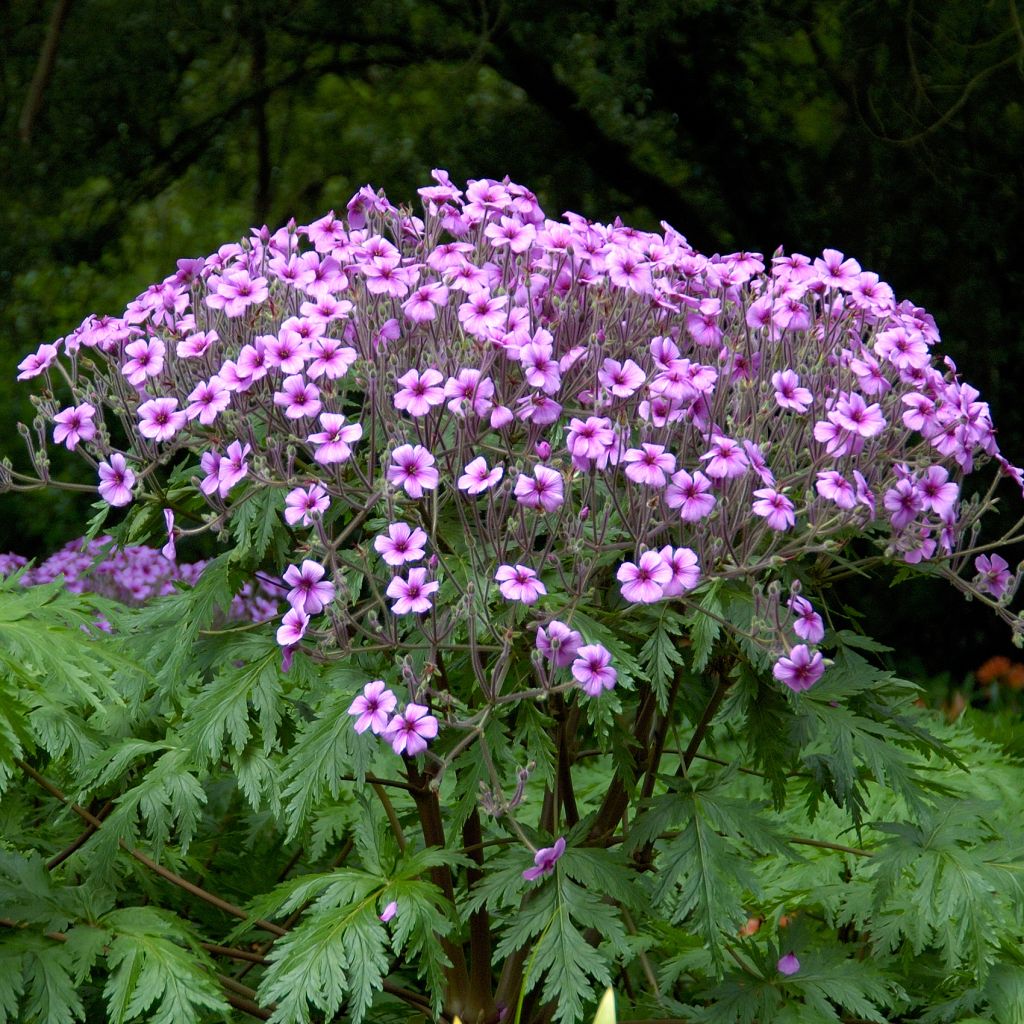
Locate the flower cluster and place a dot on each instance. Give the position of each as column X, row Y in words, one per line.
column 407, row 730
column 545, row 406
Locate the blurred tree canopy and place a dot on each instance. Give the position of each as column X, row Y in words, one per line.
column 891, row 129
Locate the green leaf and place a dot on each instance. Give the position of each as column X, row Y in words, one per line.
column 702, row 620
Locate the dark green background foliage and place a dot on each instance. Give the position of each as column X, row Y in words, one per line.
column 890, row 130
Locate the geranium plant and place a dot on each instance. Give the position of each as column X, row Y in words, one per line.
column 555, row 693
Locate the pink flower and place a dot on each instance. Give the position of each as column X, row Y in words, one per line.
column 852, row 413
column 902, row 502
column 685, row 569
column 293, row 627
column 590, row 438
column 288, row 352
column 725, row 459
column 544, row 860
column 236, row 292
column 373, row 706
column 168, row 550
column 331, row 359
column 776, row 508
column 196, row 345
column 644, row 582
column 621, row 379
column 116, row 481
column 482, row 313
column 519, row 583
column 938, row 492
column 789, row 964
column 834, row 487
column 298, row 398
column 209, row 399
column 402, row 544
column 335, row 440
column 691, row 495
column 593, row 670
column 40, row 360
column 468, row 387
column 648, row 464
column 994, row 574
column 477, row 477
column 409, row 730
column 788, row 393
column 232, row 468
column 300, row 505
column 544, row 490
column 421, row 306
column 310, row 591
column 389, row 911
column 420, row 392
column 540, row 368
column 160, row 420
column 147, row 360
column 511, row 232
column 808, row 625
column 412, row 468
column 558, row 643
column 74, row 425
column 801, row 670
column 412, row 594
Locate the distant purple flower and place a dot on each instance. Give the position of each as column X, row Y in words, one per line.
column 902, row 502
column 74, row 425
column 938, row 492
column 298, row 397
column 412, row 468
column 373, row 706
column 544, row 860
column 146, row 360
column 776, row 508
column 544, row 490
column 409, row 730
column 331, row 359
column 801, row 670
column 209, row 399
column 994, row 575
column 310, row 591
column 116, row 481
column 293, row 627
column 621, row 379
column 644, row 582
column 420, row 392
column 478, row 477
column 160, row 420
column 788, row 393
column 301, row 504
column 412, row 594
column 558, row 643
column 691, row 494
column 334, row 442
column 40, row 360
column 789, row 964
column 593, row 670
column 519, row 583
column 402, row 544
column 808, row 624
column 835, row 487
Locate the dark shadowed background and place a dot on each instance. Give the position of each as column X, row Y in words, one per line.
column 134, row 133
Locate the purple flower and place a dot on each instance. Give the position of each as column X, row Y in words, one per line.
column 558, row 643
column 160, row 420
column 292, row 628
column 116, row 481
column 801, row 670
column 409, row 730
column 74, row 425
column 40, row 360
column 788, row 393
column 776, row 508
column 685, row 569
column 808, row 625
column 938, row 492
column 725, row 459
column 593, row 670
column 373, row 706
column 331, row 359
column 389, row 911
column 648, row 464
column 789, row 964
column 420, row 392
column 519, row 583
column 402, row 544
column 691, row 495
column 168, row 550
column 300, row 505
column 232, row 467
column 147, row 360
column 835, row 487
column 478, row 477
column 621, row 379
column 902, row 502
column 298, row 398
column 994, row 575
column 310, row 591
column 544, row 860
column 209, row 399
column 412, row 468
column 335, row 440
column 544, row 490
column 644, row 582
column 412, row 594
